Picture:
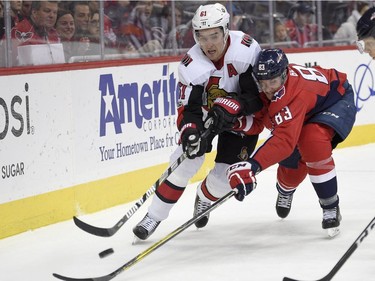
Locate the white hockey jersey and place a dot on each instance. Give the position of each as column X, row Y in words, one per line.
column 196, row 69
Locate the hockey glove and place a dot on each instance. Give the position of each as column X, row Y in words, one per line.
column 243, row 124
column 224, row 113
column 192, row 142
column 241, row 176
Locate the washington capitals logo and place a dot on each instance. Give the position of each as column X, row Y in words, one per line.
column 279, row 94
column 279, row 57
column 23, row 36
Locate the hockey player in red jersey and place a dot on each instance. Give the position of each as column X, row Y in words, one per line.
column 215, row 80
column 308, row 111
column 366, row 33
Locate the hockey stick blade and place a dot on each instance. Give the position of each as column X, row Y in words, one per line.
column 107, row 232
column 155, row 246
column 347, row 254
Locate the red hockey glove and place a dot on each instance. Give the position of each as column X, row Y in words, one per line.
column 224, row 113
column 241, row 176
column 243, row 124
column 192, row 143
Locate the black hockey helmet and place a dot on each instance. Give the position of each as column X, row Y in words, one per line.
column 366, row 24
column 270, row 63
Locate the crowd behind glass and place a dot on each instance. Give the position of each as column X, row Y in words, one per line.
column 105, row 30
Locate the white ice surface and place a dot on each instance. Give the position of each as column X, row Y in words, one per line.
column 243, row 241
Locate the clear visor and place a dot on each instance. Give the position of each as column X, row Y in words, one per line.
column 209, row 38
column 360, row 46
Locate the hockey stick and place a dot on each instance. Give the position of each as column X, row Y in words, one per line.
column 348, row 253
column 107, row 232
column 158, row 244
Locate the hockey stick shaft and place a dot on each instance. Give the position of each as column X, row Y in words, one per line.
column 155, row 246
column 107, row 232
column 347, row 254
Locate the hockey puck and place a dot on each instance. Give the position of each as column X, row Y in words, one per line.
column 106, row 253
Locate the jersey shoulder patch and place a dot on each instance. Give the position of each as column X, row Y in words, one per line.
column 186, row 60
column 278, row 95
column 247, row 40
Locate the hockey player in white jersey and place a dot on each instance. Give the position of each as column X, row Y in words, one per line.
column 215, row 82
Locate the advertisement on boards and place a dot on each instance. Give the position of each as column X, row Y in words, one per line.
column 35, row 135
column 126, row 119
column 60, row 130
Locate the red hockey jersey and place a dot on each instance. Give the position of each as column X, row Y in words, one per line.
column 306, row 92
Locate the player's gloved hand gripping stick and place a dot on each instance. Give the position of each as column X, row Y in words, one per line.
column 107, row 232
column 241, row 177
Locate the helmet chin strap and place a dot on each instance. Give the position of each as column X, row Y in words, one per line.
column 284, row 76
column 226, row 36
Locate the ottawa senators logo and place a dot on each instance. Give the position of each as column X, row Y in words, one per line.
column 213, row 91
column 244, row 155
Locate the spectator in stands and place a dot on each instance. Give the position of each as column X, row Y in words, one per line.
column 94, row 33
column 167, row 26
column 94, row 6
column 15, row 10
column 26, row 8
column 65, row 27
column 119, row 13
column 166, row 17
column 183, row 33
column 65, row 5
column 81, row 15
column 15, row 15
column 94, row 27
column 141, row 30
column 299, row 24
column 281, row 35
column 110, row 38
column 237, row 14
column 39, row 28
column 347, row 30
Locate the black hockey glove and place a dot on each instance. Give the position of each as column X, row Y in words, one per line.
column 192, row 142
column 224, row 114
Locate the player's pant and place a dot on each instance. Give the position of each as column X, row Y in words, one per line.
column 231, row 148
column 168, row 193
column 316, row 160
